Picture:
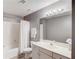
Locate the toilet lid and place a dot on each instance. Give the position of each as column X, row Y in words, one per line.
column 28, row 49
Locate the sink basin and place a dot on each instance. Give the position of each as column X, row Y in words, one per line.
column 55, row 46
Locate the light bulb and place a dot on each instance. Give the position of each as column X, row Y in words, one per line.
column 54, row 11
column 60, row 9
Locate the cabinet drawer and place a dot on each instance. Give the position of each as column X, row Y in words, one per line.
column 57, row 56
column 45, row 51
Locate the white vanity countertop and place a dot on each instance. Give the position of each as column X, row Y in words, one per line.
column 56, row 47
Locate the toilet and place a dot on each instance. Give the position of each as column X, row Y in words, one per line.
column 28, row 53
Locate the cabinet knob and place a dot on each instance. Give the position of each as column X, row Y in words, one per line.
column 60, row 58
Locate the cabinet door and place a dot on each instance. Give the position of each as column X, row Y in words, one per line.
column 44, row 56
column 57, row 56
column 45, row 51
column 35, row 52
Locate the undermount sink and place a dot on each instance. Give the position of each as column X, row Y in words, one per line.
column 56, row 46
column 51, row 44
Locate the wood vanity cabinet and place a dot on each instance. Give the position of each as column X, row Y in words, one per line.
column 40, row 53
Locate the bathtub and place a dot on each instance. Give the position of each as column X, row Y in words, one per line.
column 11, row 54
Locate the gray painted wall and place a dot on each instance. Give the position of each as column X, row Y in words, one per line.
column 58, row 28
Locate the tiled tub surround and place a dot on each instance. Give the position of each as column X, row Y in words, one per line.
column 59, row 48
column 11, row 39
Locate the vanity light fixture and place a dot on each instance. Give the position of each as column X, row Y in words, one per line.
column 53, row 12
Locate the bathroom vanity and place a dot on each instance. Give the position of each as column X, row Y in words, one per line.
column 50, row 50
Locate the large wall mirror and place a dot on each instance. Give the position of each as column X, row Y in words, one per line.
column 57, row 27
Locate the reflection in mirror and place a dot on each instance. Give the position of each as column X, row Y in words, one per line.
column 56, row 28
column 41, row 32
column 33, row 33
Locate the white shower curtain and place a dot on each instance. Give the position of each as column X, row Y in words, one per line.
column 24, row 35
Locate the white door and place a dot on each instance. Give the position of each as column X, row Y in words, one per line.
column 24, row 35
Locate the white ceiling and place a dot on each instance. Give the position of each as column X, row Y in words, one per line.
column 19, row 9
